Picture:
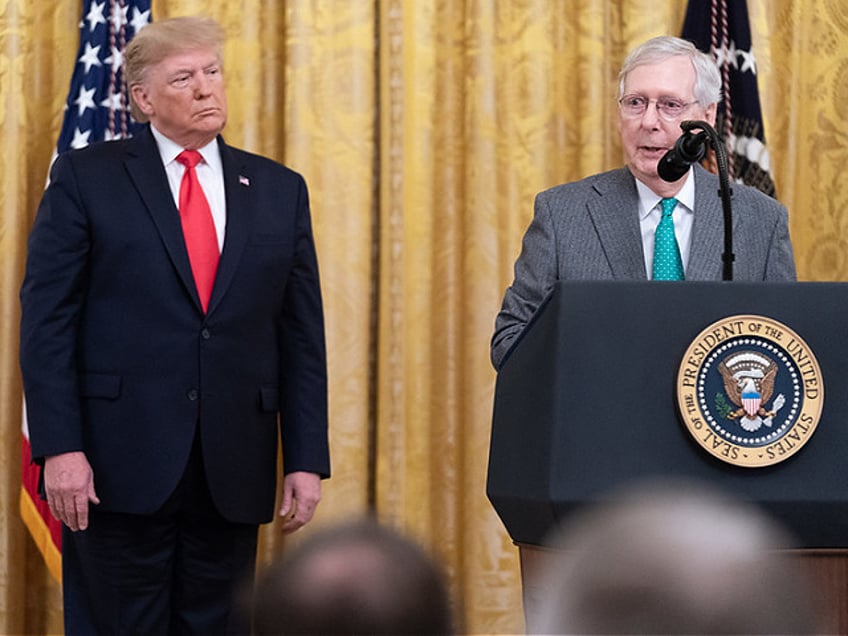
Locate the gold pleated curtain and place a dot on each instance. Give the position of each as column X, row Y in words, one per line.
column 424, row 128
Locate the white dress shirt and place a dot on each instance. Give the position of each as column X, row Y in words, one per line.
column 650, row 213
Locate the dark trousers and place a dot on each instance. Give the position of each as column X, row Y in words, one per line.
column 181, row 570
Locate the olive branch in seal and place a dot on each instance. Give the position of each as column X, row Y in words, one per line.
column 722, row 406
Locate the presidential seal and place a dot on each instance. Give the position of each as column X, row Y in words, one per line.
column 750, row 391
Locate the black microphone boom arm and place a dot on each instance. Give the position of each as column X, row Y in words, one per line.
column 690, row 148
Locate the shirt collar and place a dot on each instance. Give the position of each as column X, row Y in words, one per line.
column 169, row 150
column 649, row 199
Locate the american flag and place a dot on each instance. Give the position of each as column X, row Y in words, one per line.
column 722, row 28
column 98, row 102
column 97, row 109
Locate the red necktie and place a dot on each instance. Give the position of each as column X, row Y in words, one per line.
column 198, row 228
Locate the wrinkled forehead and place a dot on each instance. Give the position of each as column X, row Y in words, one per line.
column 672, row 76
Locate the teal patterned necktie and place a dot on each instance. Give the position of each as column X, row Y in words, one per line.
column 667, row 262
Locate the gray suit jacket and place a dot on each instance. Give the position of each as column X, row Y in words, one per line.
column 589, row 230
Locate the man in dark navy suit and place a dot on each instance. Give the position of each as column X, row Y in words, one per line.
column 155, row 396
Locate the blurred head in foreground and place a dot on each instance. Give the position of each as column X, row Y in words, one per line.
column 675, row 558
column 355, row 578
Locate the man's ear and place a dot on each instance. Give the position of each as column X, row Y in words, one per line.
column 139, row 95
column 710, row 114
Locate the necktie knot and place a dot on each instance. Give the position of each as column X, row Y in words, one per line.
column 189, row 158
column 668, row 206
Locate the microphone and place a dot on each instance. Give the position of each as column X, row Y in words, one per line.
column 691, row 148
column 688, row 149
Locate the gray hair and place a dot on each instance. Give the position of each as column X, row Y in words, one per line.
column 659, row 49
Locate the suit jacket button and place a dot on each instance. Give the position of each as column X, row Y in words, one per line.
column 205, row 334
column 193, row 394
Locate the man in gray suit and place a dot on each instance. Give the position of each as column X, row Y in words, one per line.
column 603, row 227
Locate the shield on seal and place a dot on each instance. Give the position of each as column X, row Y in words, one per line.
column 751, row 402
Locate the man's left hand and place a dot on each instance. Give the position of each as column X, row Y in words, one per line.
column 301, row 494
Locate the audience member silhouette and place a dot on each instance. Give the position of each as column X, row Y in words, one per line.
column 355, row 578
column 674, row 558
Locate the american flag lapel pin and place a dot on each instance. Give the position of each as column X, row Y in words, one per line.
column 244, row 180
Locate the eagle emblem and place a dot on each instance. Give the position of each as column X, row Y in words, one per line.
column 735, row 377
column 748, row 378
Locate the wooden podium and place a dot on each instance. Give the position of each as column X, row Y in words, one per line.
column 615, row 348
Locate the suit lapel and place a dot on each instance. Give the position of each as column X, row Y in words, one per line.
column 615, row 214
column 147, row 173
column 237, row 187
column 707, row 230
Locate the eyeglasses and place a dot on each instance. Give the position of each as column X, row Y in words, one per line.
column 669, row 108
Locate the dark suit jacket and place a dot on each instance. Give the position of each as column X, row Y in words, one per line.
column 118, row 359
column 589, row 230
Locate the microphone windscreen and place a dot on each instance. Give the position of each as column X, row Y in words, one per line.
column 671, row 167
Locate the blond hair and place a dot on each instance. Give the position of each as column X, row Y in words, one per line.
column 161, row 39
